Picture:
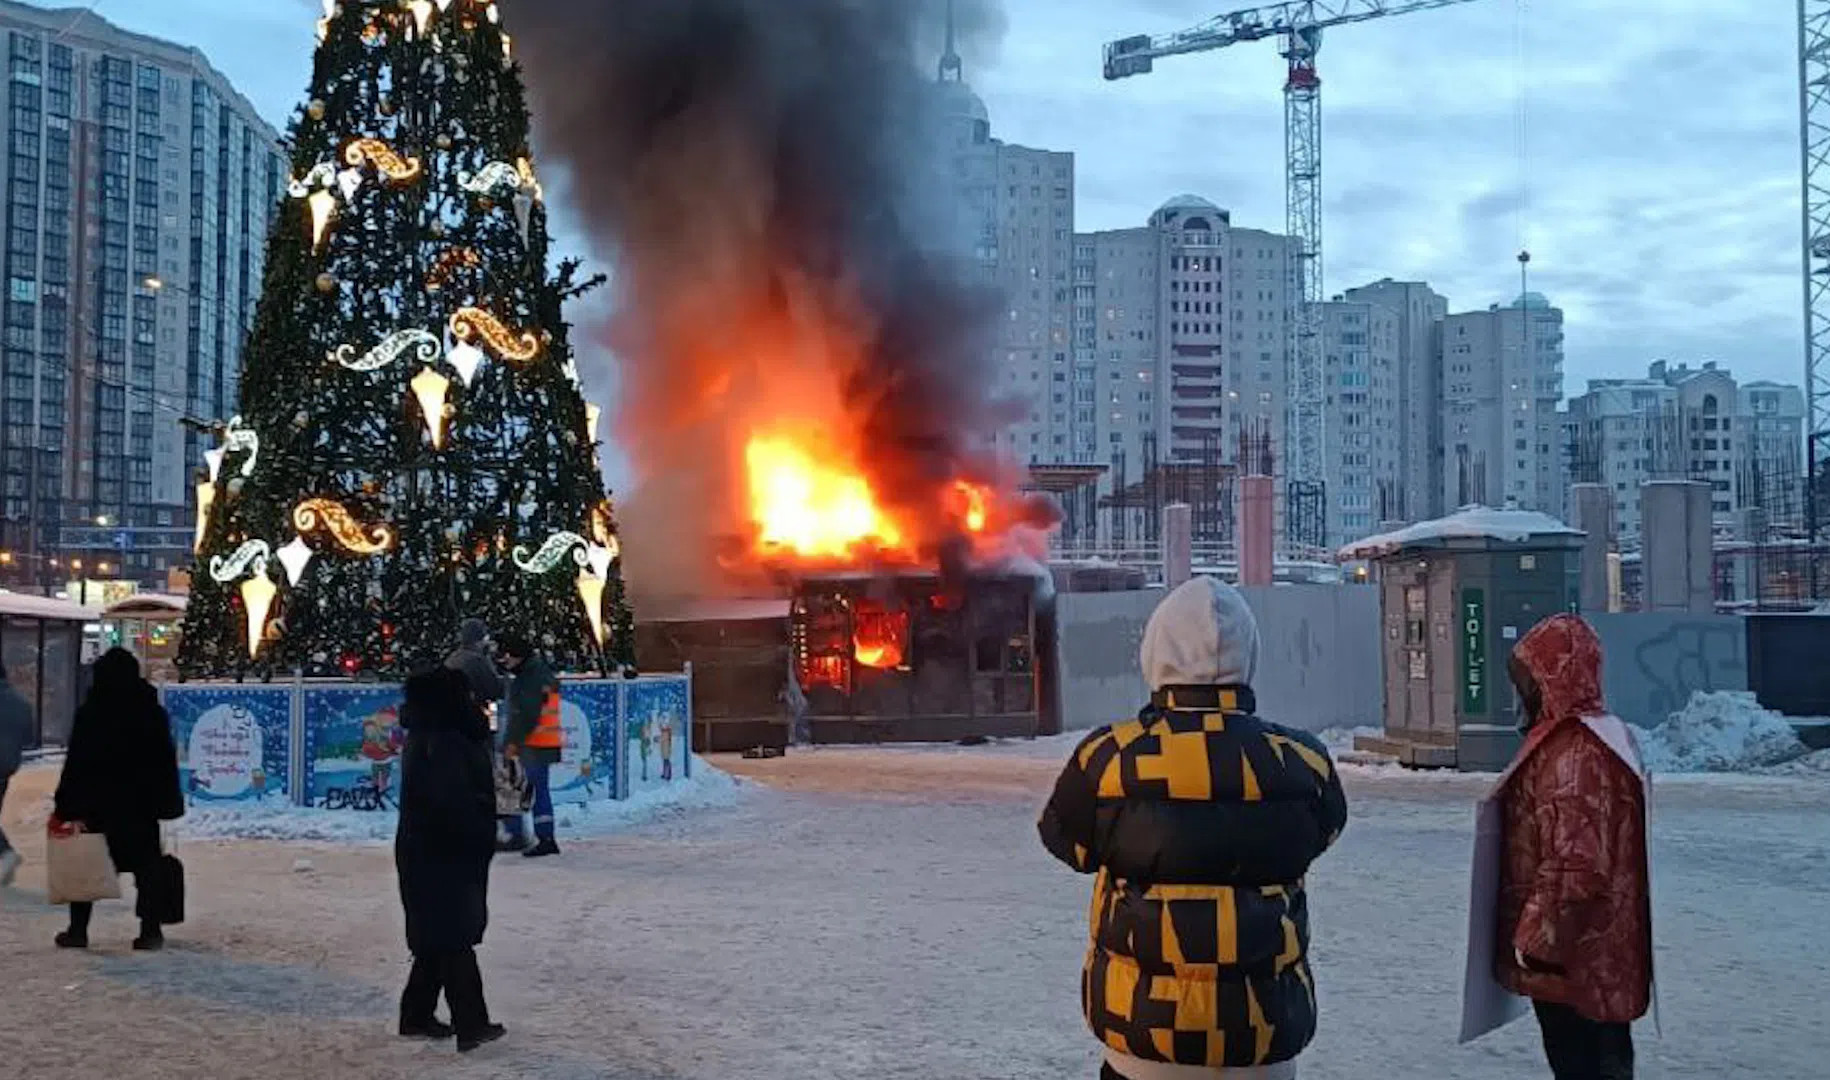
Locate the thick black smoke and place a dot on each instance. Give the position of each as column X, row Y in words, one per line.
column 771, row 179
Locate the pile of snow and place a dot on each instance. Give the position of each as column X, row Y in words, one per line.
column 1728, row 731
column 707, row 788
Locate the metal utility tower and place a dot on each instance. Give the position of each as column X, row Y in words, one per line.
column 1298, row 26
column 1814, row 109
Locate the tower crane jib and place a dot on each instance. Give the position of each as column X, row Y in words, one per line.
column 1297, row 25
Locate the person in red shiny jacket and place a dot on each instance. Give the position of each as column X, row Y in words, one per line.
column 1574, row 895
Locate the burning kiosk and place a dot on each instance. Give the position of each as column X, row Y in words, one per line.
column 914, row 656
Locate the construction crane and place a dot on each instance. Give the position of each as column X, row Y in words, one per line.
column 1814, row 117
column 1298, row 26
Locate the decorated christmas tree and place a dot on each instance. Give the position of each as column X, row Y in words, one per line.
column 413, row 447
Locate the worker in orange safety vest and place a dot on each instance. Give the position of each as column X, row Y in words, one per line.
column 533, row 735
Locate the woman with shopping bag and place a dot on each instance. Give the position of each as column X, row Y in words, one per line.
column 120, row 780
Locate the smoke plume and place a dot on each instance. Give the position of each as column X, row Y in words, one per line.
column 768, row 176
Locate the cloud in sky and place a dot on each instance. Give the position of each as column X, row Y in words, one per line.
column 1656, row 182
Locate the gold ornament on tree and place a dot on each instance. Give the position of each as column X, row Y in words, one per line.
column 449, row 262
column 591, row 594
column 430, row 388
column 257, row 595
column 602, row 517
column 397, row 169
column 327, row 282
column 470, row 324
column 330, row 515
column 421, row 10
column 206, row 498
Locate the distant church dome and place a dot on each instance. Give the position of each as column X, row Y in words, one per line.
column 1190, row 212
column 961, row 103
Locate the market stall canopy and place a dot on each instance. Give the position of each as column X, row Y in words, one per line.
column 148, row 606
column 1468, row 523
column 21, row 606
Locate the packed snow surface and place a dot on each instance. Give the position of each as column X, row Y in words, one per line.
column 871, row 915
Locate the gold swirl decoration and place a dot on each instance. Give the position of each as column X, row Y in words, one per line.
column 603, row 519
column 529, row 184
column 397, row 169
column 329, row 514
column 468, row 324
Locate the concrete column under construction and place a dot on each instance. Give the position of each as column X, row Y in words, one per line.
column 1592, row 511
column 1675, row 547
column 1257, row 521
column 1178, row 544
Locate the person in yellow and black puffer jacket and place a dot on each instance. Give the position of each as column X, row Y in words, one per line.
column 1200, row 821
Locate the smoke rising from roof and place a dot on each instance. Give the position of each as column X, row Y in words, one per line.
column 768, row 177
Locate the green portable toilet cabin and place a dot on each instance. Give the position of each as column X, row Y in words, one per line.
column 1455, row 595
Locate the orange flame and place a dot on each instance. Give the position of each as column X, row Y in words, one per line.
column 971, row 500
column 813, row 504
column 877, row 637
column 877, row 654
column 812, row 508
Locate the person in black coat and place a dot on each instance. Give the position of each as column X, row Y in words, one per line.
column 120, row 778
column 442, row 849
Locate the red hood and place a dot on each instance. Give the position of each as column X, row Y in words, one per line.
column 1564, row 658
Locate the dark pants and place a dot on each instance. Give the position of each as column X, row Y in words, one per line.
column 4, row 845
column 133, row 848
column 455, row 974
column 1584, row 1049
column 82, row 911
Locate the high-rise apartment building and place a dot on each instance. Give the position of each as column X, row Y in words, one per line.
column 140, row 186
column 1362, row 450
column 1502, row 382
column 1685, row 423
column 1182, row 327
column 1420, row 311
column 1016, row 207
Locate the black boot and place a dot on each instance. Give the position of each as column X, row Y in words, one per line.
column 541, row 850
column 77, row 937
column 151, row 938
column 426, row 1029
column 470, row 1040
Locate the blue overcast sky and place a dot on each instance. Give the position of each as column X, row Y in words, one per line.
column 1656, row 186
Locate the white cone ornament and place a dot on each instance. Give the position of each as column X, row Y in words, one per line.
column 349, row 181
column 524, row 214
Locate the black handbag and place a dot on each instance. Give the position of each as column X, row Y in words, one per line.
column 161, row 896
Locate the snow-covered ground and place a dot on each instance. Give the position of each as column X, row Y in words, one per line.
column 707, row 787
column 882, row 914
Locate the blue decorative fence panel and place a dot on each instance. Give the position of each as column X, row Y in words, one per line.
column 658, row 724
column 235, row 743
column 337, row 745
column 589, row 765
column 353, row 740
